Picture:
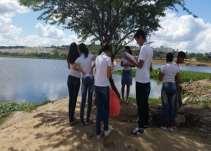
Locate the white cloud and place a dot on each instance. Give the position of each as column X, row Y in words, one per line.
column 180, row 32
column 49, row 31
column 183, row 32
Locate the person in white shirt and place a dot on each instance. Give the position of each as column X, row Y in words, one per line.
column 169, row 74
column 73, row 81
column 143, row 81
column 85, row 64
column 103, row 71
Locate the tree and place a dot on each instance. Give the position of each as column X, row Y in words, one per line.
column 106, row 21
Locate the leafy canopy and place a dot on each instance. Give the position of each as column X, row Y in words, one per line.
column 110, row 21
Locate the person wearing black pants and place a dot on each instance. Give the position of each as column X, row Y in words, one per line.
column 142, row 81
column 73, row 89
column 142, row 96
column 73, row 81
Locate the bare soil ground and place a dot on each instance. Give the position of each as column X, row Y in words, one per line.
column 47, row 129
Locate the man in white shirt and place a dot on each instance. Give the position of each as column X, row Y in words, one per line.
column 102, row 74
column 143, row 81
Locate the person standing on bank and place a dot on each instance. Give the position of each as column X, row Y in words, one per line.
column 180, row 60
column 103, row 71
column 143, row 81
column 73, row 81
column 126, row 74
column 84, row 64
column 169, row 74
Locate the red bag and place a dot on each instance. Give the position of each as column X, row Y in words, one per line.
column 114, row 104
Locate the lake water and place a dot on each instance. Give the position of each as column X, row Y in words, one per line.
column 38, row 80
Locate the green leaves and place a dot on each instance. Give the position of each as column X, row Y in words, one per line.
column 7, row 108
column 111, row 21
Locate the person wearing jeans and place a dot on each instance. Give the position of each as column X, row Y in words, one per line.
column 102, row 75
column 142, row 81
column 84, row 64
column 169, row 74
column 102, row 103
column 73, row 81
column 86, row 90
column 168, row 97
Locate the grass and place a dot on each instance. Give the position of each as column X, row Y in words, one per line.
column 7, row 108
column 152, row 101
column 186, row 76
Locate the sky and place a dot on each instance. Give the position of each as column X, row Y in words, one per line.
column 19, row 26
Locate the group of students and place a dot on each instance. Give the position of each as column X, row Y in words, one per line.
column 96, row 76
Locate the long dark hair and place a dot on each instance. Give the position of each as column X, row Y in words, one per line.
column 73, row 54
column 84, row 50
column 128, row 50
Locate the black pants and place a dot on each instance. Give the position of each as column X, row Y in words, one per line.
column 73, row 89
column 142, row 95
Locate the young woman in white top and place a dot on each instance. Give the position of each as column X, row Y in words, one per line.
column 85, row 65
column 73, row 81
column 169, row 74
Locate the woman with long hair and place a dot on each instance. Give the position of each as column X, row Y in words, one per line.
column 73, row 81
column 85, row 65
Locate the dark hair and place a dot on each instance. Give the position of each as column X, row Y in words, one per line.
column 73, row 54
column 140, row 33
column 84, row 50
column 106, row 48
column 127, row 49
column 181, row 54
column 169, row 57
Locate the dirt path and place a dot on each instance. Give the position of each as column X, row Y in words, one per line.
column 47, row 129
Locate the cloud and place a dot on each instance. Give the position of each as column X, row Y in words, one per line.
column 49, row 31
column 183, row 32
column 180, row 32
column 11, row 7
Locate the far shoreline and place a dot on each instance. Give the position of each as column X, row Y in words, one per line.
column 188, row 62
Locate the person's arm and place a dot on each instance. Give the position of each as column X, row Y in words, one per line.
column 109, row 68
column 77, row 67
column 142, row 57
column 161, row 75
column 178, row 79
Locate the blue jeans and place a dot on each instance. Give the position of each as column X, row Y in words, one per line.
column 168, row 97
column 102, row 103
column 87, row 88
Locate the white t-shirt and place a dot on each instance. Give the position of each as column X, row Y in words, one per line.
column 74, row 73
column 143, row 74
column 102, row 63
column 169, row 71
column 86, row 64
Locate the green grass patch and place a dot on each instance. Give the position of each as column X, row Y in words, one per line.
column 6, row 108
column 186, row 76
column 152, row 101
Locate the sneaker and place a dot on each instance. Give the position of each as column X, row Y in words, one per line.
column 137, row 131
column 146, row 126
column 164, row 128
column 171, row 129
column 107, row 133
column 98, row 137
